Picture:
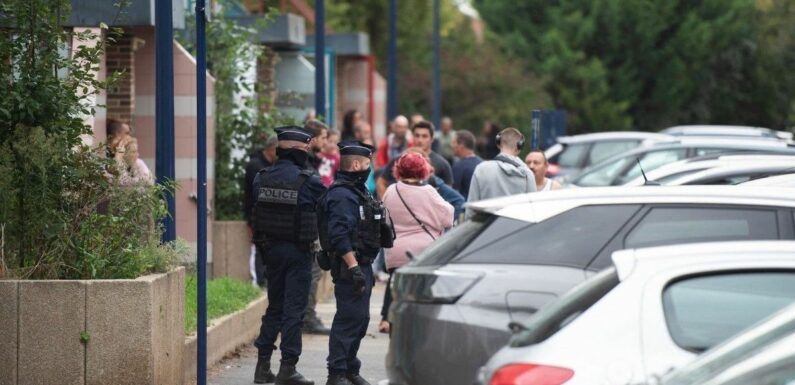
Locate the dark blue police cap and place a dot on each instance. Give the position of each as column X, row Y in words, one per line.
column 296, row 133
column 355, row 147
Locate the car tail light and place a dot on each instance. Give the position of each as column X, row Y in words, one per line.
column 529, row 374
column 553, row 169
column 431, row 286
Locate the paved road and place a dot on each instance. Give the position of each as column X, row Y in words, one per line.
column 240, row 370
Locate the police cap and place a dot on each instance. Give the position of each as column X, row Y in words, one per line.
column 355, row 147
column 295, row 133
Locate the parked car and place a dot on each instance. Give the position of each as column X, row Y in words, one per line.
column 735, row 174
column 665, row 174
column 657, row 309
column 787, row 180
column 727, row 131
column 722, row 360
column 572, row 154
column 452, row 302
column 624, row 167
column 773, row 366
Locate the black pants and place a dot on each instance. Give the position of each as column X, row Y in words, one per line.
column 350, row 324
column 387, row 297
column 289, row 274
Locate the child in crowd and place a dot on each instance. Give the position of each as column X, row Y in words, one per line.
column 329, row 159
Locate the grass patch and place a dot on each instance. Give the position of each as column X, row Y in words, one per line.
column 224, row 296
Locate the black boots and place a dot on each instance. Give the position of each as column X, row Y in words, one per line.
column 338, row 379
column 315, row 326
column 356, row 379
column 289, row 376
column 263, row 374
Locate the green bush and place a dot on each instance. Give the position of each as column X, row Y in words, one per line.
column 224, row 296
column 63, row 213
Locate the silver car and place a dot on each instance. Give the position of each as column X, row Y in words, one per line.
column 453, row 303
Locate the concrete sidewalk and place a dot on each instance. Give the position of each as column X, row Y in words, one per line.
column 240, row 370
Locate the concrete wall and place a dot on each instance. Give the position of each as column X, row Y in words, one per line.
column 224, row 335
column 143, row 124
column 135, row 331
column 231, row 250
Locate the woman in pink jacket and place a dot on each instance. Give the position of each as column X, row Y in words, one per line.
column 418, row 212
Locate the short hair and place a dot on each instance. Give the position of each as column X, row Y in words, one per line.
column 346, row 161
column 510, row 137
column 271, row 142
column 333, row 132
column 315, row 127
column 423, row 124
column 538, row 150
column 114, row 126
column 466, row 139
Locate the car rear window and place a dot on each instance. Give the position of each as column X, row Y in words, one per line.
column 572, row 155
column 556, row 315
column 451, row 243
column 702, row 311
column 670, row 225
column 603, row 150
column 571, row 238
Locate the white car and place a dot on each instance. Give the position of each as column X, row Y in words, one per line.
column 672, row 171
column 724, row 131
column 787, row 180
column 735, row 357
column 735, row 174
column 655, row 310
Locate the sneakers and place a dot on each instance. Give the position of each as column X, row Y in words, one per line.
column 315, row 326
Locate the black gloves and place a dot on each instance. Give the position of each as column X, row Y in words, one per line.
column 359, row 281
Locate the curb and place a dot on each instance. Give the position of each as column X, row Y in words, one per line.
column 224, row 336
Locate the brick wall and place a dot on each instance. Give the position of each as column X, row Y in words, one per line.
column 120, row 57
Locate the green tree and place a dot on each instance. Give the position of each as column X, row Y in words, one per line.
column 646, row 64
column 479, row 81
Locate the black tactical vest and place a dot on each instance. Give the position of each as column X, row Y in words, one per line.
column 371, row 215
column 277, row 215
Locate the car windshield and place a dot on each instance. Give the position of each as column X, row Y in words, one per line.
column 555, row 316
column 603, row 175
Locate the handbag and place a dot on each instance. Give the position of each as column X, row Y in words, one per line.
column 412, row 214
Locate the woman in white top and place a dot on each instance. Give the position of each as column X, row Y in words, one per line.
column 537, row 162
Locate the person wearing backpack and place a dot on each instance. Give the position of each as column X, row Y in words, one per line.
column 420, row 215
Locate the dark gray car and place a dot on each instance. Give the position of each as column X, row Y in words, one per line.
column 454, row 302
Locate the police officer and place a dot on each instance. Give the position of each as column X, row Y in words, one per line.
column 285, row 227
column 351, row 223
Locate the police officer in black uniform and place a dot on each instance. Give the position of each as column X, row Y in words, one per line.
column 351, row 225
column 285, row 228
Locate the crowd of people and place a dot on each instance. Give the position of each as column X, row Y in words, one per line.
column 308, row 181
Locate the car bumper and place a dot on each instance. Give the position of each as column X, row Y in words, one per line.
column 433, row 344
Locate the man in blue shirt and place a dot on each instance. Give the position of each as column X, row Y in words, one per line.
column 464, row 167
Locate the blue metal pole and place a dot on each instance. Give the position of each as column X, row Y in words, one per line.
column 201, row 210
column 164, row 108
column 535, row 130
column 437, row 92
column 391, row 83
column 320, row 59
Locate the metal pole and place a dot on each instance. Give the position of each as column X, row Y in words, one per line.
column 535, row 130
column 201, row 210
column 437, row 92
column 320, row 60
column 164, row 109
column 391, row 83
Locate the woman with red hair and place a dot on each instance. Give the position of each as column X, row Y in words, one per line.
column 419, row 215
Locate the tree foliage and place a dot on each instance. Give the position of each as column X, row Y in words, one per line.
column 63, row 213
column 479, row 81
column 647, row 64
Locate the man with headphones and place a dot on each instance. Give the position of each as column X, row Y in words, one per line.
column 505, row 175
